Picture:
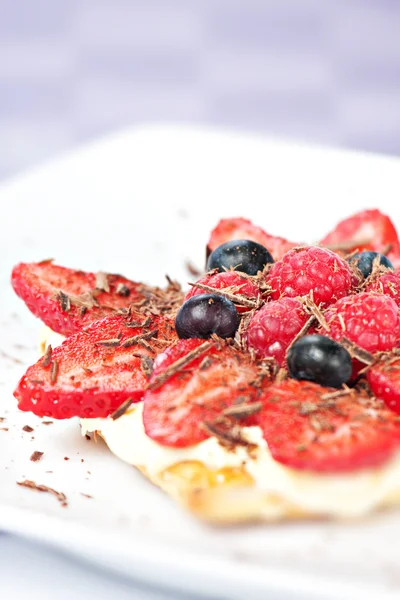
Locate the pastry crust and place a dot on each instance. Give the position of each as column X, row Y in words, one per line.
column 230, row 495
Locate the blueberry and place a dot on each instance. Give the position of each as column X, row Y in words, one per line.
column 242, row 255
column 202, row 315
column 364, row 262
column 320, row 359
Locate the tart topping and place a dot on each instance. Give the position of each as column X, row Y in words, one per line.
column 207, row 314
column 240, row 255
column 308, row 426
column 312, row 270
column 367, row 261
column 243, row 229
column 183, row 409
column 369, row 320
column 319, row 359
column 274, row 327
column 96, row 370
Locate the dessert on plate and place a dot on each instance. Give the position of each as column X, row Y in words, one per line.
column 270, row 390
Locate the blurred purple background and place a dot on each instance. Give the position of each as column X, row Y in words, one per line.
column 318, row 70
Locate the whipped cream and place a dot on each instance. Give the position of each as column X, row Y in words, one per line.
column 341, row 495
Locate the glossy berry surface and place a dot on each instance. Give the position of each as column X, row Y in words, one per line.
column 312, row 270
column 365, row 261
column 319, row 359
column 304, row 430
column 203, row 315
column 368, row 319
column 273, row 327
column 231, row 282
column 239, row 255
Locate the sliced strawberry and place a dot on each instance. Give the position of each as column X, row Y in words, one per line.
column 366, row 230
column 384, row 379
column 94, row 371
column 243, row 229
column 186, row 399
column 68, row 300
column 305, row 429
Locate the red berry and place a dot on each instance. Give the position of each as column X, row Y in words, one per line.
column 384, row 379
column 312, row 270
column 368, row 319
column 388, row 284
column 231, row 282
column 94, row 371
column 178, row 408
column 371, row 226
column 243, row 229
column 306, row 431
column 274, row 326
column 39, row 286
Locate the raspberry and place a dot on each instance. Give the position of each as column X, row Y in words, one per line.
column 368, row 319
column 311, row 270
column 231, row 282
column 388, row 284
column 273, row 327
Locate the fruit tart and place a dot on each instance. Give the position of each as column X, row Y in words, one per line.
column 269, row 390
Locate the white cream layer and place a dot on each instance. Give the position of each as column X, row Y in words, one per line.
column 340, row 495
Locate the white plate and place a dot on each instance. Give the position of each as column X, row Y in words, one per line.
column 142, row 203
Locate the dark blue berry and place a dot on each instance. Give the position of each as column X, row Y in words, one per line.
column 240, row 255
column 364, row 261
column 202, row 315
column 320, row 359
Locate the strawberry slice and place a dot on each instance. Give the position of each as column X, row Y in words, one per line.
column 366, row 230
column 243, row 229
column 310, row 427
column 193, row 383
column 384, row 379
column 67, row 300
column 94, row 371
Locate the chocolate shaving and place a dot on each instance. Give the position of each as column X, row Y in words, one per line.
column 235, row 298
column 121, row 409
column 227, row 437
column 242, row 410
column 47, row 422
column 86, row 495
column 27, row 428
column 333, row 395
column 65, row 301
column 43, row 488
column 357, row 352
column 122, row 290
column 146, row 364
column 46, row 360
column 179, row 364
column 307, row 408
column 281, row 375
column 301, row 333
column 110, row 342
column 312, row 308
column 36, row 456
column 54, row 368
column 137, row 324
column 102, row 282
column 192, row 269
column 3, row 428
column 132, row 341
